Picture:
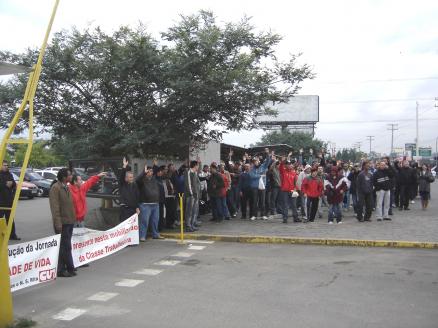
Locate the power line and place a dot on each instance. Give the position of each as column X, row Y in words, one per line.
column 376, row 121
column 366, row 101
column 379, row 80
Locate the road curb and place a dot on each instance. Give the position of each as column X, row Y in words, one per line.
column 306, row 241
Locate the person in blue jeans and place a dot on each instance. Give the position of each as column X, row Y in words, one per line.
column 335, row 187
column 149, row 203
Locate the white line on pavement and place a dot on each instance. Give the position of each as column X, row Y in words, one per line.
column 196, row 247
column 129, row 283
column 102, row 296
column 168, row 262
column 183, row 254
column 148, row 272
column 69, row 314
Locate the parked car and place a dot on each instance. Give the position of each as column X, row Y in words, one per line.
column 28, row 189
column 38, row 180
column 53, row 168
column 49, row 175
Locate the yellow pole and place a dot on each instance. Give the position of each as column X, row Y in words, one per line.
column 6, row 307
column 181, row 211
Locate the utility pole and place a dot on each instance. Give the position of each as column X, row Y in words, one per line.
column 393, row 127
column 417, row 143
column 358, row 144
column 370, row 139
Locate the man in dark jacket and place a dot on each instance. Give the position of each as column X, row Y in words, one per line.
column 149, row 203
column 382, row 181
column 215, row 186
column 365, row 193
column 129, row 193
column 352, row 177
column 406, row 178
column 7, row 193
column 245, row 191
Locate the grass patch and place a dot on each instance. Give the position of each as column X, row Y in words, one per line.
column 22, row 323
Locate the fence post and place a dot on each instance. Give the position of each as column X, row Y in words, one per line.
column 181, row 212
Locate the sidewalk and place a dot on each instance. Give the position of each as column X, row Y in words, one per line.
column 414, row 225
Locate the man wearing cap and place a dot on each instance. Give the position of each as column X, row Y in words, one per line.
column 303, row 174
column 288, row 191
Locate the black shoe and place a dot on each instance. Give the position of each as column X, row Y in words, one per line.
column 368, row 219
column 188, row 229
column 84, row 266
column 284, row 220
column 298, row 220
column 311, row 220
column 387, row 219
column 227, row 218
column 361, row 220
column 407, row 209
column 65, row 274
column 14, row 238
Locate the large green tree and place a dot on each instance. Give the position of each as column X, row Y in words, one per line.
column 42, row 155
column 350, row 155
column 103, row 94
column 297, row 140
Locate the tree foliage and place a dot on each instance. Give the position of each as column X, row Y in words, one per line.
column 127, row 92
column 297, row 140
column 350, row 155
column 42, row 155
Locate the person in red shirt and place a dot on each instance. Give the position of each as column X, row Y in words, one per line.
column 79, row 189
column 223, row 196
column 312, row 188
column 288, row 193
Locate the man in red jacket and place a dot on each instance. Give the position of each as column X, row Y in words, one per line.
column 288, row 191
column 79, row 189
column 312, row 188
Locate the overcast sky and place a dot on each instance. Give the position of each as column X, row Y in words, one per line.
column 373, row 59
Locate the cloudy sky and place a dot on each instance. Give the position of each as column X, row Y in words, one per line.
column 373, row 59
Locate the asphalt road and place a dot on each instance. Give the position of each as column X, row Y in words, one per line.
column 243, row 285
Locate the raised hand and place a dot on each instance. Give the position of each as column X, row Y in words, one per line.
column 101, row 174
column 125, row 162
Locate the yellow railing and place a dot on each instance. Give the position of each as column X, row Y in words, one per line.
column 6, row 308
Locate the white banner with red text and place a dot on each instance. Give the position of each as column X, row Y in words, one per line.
column 33, row 262
column 91, row 245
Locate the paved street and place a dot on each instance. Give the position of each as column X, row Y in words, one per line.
column 246, row 285
column 242, row 285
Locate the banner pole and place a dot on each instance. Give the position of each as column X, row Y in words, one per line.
column 181, row 211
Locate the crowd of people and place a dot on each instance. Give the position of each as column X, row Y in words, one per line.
column 263, row 186
column 267, row 186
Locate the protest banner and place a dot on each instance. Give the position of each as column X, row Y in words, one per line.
column 33, row 262
column 91, row 245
